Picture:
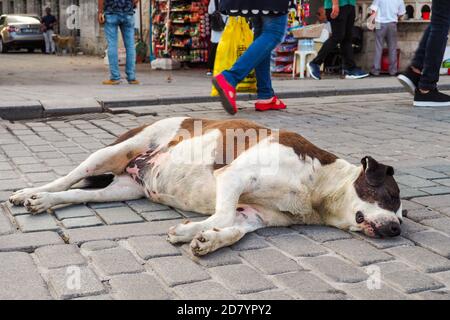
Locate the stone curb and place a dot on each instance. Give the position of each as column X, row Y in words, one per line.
column 34, row 110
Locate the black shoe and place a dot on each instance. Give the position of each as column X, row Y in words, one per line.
column 433, row 98
column 409, row 79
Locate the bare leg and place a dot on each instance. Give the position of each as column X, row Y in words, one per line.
column 123, row 188
column 247, row 220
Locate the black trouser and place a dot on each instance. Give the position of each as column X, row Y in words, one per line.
column 342, row 33
column 212, row 55
column 431, row 49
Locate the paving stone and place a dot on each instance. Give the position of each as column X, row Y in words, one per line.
column 221, row 257
column 204, row 290
column 232, row 276
column 177, row 270
column 408, row 193
column 297, row 245
column 270, row 261
column 250, row 241
column 59, row 256
column 104, row 205
column 98, row 245
column 64, row 283
column 145, row 205
column 435, row 295
column 423, row 173
column 412, row 281
column 433, row 241
column 20, row 279
column 42, row 222
column 437, row 190
column 414, row 182
column 41, row 177
column 72, row 223
column 115, row 261
column 441, row 224
column 12, row 185
column 409, row 227
column 322, row 233
column 4, row 175
column 308, row 286
column 422, row 259
column 101, row 297
column 336, row 269
column 267, row 295
column 359, row 252
column 434, row 201
column 148, row 247
column 188, row 214
column 140, row 286
column 28, row 242
column 361, row 291
column 5, row 224
column 384, row 243
column 118, row 215
column 423, row 214
column 274, row 231
column 117, row 232
column 161, row 215
column 75, row 211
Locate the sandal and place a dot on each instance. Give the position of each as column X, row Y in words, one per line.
column 227, row 93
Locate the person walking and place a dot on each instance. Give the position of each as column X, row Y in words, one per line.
column 218, row 22
column 269, row 19
column 48, row 24
column 387, row 12
column 341, row 14
column 119, row 14
column 422, row 76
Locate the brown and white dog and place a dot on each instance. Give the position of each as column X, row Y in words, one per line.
column 64, row 43
column 243, row 175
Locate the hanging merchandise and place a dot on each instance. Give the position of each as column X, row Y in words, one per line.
column 181, row 30
column 236, row 39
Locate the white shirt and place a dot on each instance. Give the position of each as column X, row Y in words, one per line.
column 215, row 35
column 388, row 10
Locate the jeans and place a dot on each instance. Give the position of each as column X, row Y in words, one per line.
column 49, row 43
column 386, row 31
column 430, row 53
column 269, row 33
column 125, row 22
column 342, row 33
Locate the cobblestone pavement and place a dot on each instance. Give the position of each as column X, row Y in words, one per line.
column 120, row 251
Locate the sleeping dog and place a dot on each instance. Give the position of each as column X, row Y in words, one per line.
column 244, row 176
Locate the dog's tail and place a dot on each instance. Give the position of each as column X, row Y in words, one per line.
column 95, row 182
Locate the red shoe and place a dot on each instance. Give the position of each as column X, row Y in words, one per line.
column 227, row 93
column 275, row 104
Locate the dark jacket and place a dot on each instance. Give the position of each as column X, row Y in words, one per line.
column 254, row 7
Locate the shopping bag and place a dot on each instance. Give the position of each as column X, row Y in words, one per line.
column 236, row 39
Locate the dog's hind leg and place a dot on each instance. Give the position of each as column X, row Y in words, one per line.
column 122, row 188
column 247, row 220
column 110, row 159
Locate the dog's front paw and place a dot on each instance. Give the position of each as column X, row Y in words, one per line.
column 18, row 198
column 204, row 243
column 181, row 233
column 39, row 202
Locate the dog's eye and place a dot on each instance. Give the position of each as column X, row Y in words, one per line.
column 359, row 217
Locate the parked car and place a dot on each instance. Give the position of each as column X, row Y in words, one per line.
column 20, row 32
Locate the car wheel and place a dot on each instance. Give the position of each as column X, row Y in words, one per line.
column 3, row 48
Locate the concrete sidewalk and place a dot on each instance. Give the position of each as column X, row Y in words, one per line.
column 35, row 85
column 120, row 251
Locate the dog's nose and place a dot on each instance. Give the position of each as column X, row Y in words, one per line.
column 390, row 229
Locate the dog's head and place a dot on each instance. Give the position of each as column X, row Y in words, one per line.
column 371, row 203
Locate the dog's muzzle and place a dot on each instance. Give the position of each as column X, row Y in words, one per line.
column 389, row 229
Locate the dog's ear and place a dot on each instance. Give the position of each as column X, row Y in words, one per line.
column 375, row 172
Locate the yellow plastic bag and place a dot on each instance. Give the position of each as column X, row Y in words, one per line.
column 236, row 39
